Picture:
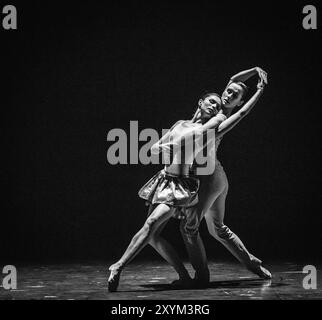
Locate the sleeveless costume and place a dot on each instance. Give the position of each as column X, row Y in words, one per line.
column 181, row 191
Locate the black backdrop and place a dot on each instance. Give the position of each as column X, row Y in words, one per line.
column 73, row 72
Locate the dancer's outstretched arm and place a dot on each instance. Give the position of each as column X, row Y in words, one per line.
column 208, row 128
column 214, row 122
column 155, row 149
column 228, row 124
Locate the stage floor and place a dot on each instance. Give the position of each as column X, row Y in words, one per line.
column 150, row 281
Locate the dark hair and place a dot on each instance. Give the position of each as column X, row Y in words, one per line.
column 208, row 94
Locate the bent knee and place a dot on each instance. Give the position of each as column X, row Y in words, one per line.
column 150, row 223
column 148, row 226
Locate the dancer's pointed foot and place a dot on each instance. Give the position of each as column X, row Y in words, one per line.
column 114, row 278
column 262, row 272
column 259, row 270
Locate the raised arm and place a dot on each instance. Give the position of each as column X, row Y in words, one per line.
column 246, row 74
column 228, row 124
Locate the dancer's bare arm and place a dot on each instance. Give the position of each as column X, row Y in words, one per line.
column 246, row 74
column 228, row 124
column 214, row 122
column 155, row 149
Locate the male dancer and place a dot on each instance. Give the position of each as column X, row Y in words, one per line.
column 214, row 188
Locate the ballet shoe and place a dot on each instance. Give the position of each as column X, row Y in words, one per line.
column 262, row 272
column 113, row 279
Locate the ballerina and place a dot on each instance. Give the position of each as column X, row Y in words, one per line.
column 173, row 187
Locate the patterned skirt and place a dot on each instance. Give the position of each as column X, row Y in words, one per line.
column 173, row 190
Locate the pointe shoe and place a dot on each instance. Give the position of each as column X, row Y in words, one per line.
column 114, row 278
column 262, row 272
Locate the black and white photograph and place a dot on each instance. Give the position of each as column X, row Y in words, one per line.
column 163, row 154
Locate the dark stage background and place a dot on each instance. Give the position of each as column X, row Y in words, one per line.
column 73, row 72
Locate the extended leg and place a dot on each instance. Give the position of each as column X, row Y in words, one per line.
column 159, row 215
column 215, row 223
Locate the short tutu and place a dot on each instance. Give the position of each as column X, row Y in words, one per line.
column 173, row 190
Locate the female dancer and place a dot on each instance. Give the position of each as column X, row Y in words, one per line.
column 214, row 188
column 172, row 187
